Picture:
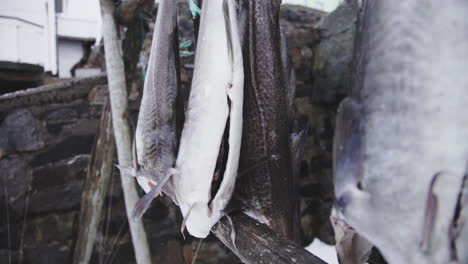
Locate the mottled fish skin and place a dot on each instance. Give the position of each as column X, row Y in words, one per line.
column 216, row 94
column 268, row 189
column 156, row 135
column 289, row 75
column 404, row 123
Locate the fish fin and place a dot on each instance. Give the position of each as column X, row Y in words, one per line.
column 297, row 142
column 186, row 216
column 169, row 187
column 273, row 158
column 173, row 171
column 429, row 216
column 233, row 231
column 125, row 170
column 144, row 203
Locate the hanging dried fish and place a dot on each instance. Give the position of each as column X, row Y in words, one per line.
column 267, row 186
column 155, row 143
column 214, row 112
column 400, row 153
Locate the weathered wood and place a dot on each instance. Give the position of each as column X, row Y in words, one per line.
column 119, row 108
column 95, row 186
column 51, row 93
column 256, row 243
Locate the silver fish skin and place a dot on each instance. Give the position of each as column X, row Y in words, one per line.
column 216, row 94
column 155, row 143
column 235, row 94
column 404, row 123
column 155, row 133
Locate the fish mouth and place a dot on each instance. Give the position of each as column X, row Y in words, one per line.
column 199, row 222
column 342, row 202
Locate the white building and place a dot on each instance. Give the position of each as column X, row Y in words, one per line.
column 46, row 35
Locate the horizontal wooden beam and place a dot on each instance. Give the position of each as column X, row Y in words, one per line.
column 256, row 243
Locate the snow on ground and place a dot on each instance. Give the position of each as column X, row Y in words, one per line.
column 326, row 252
column 324, row 5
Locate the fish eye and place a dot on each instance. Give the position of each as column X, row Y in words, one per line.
column 359, row 186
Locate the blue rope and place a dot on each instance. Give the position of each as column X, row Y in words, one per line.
column 185, row 44
column 186, row 53
column 194, row 9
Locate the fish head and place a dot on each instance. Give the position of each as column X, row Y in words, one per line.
column 351, row 197
column 199, row 219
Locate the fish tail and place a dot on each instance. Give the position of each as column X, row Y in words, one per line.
column 429, row 216
column 144, row 203
column 233, row 231
column 297, row 142
column 184, row 222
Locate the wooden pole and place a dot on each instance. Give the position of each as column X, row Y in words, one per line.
column 119, row 108
column 95, row 186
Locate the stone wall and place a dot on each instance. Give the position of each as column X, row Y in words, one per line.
column 323, row 66
column 46, row 137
